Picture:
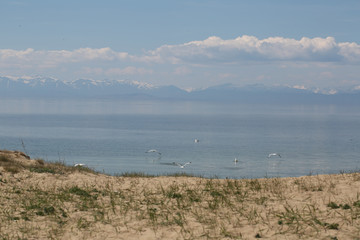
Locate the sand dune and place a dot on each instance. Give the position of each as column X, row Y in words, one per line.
column 42, row 200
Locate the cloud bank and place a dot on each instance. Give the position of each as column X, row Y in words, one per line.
column 212, row 49
column 50, row 59
column 250, row 48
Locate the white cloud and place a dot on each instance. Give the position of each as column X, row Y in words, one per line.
column 250, row 48
column 301, row 87
column 9, row 54
column 350, row 51
column 51, row 59
column 89, row 54
column 212, row 49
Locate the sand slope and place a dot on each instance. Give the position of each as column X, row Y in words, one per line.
column 41, row 200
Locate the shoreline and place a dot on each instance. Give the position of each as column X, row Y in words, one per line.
column 49, row 200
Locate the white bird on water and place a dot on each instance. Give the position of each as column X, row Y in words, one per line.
column 274, row 154
column 181, row 165
column 236, row 160
column 153, row 151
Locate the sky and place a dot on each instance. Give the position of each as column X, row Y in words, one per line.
column 191, row 44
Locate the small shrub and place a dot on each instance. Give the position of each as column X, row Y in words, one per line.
column 10, row 165
column 333, row 205
column 80, row 192
column 135, row 175
column 40, row 161
column 216, row 193
column 13, row 218
column 26, row 218
column 63, row 213
column 356, row 204
column 333, row 226
column 173, row 192
column 261, row 200
column 83, row 223
column 254, row 185
column 193, row 197
column 40, row 213
column 346, row 206
column 13, row 168
column 42, row 170
column 49, row 210
column 4, row 159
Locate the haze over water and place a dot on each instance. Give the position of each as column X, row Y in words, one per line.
column 113, row 136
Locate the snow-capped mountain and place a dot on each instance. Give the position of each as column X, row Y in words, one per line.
column 90, row 83
column 31, row 87
column 46, row 87
column 39, row 87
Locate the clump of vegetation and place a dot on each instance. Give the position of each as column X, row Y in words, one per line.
column 38, row 166
column 135, row 175
column 145, row 175
column 10, row 165
column 357, row 204
column 334, row 205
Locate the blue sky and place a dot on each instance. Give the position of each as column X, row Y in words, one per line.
column 190, row 44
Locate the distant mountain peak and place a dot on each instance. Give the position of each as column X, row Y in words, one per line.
column 48, row 87
column 105, row 83
column 143, row 85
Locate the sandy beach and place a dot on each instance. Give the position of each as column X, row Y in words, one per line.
column 41, row 200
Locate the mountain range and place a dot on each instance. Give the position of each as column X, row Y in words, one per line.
column 46, row 87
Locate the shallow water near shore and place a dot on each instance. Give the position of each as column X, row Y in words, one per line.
column 113, row 137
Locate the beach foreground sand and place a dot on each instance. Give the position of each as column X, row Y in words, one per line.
column 40, row 200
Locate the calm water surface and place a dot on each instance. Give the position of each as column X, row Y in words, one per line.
column 114, row 136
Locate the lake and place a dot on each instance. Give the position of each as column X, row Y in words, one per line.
column 114, row 136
